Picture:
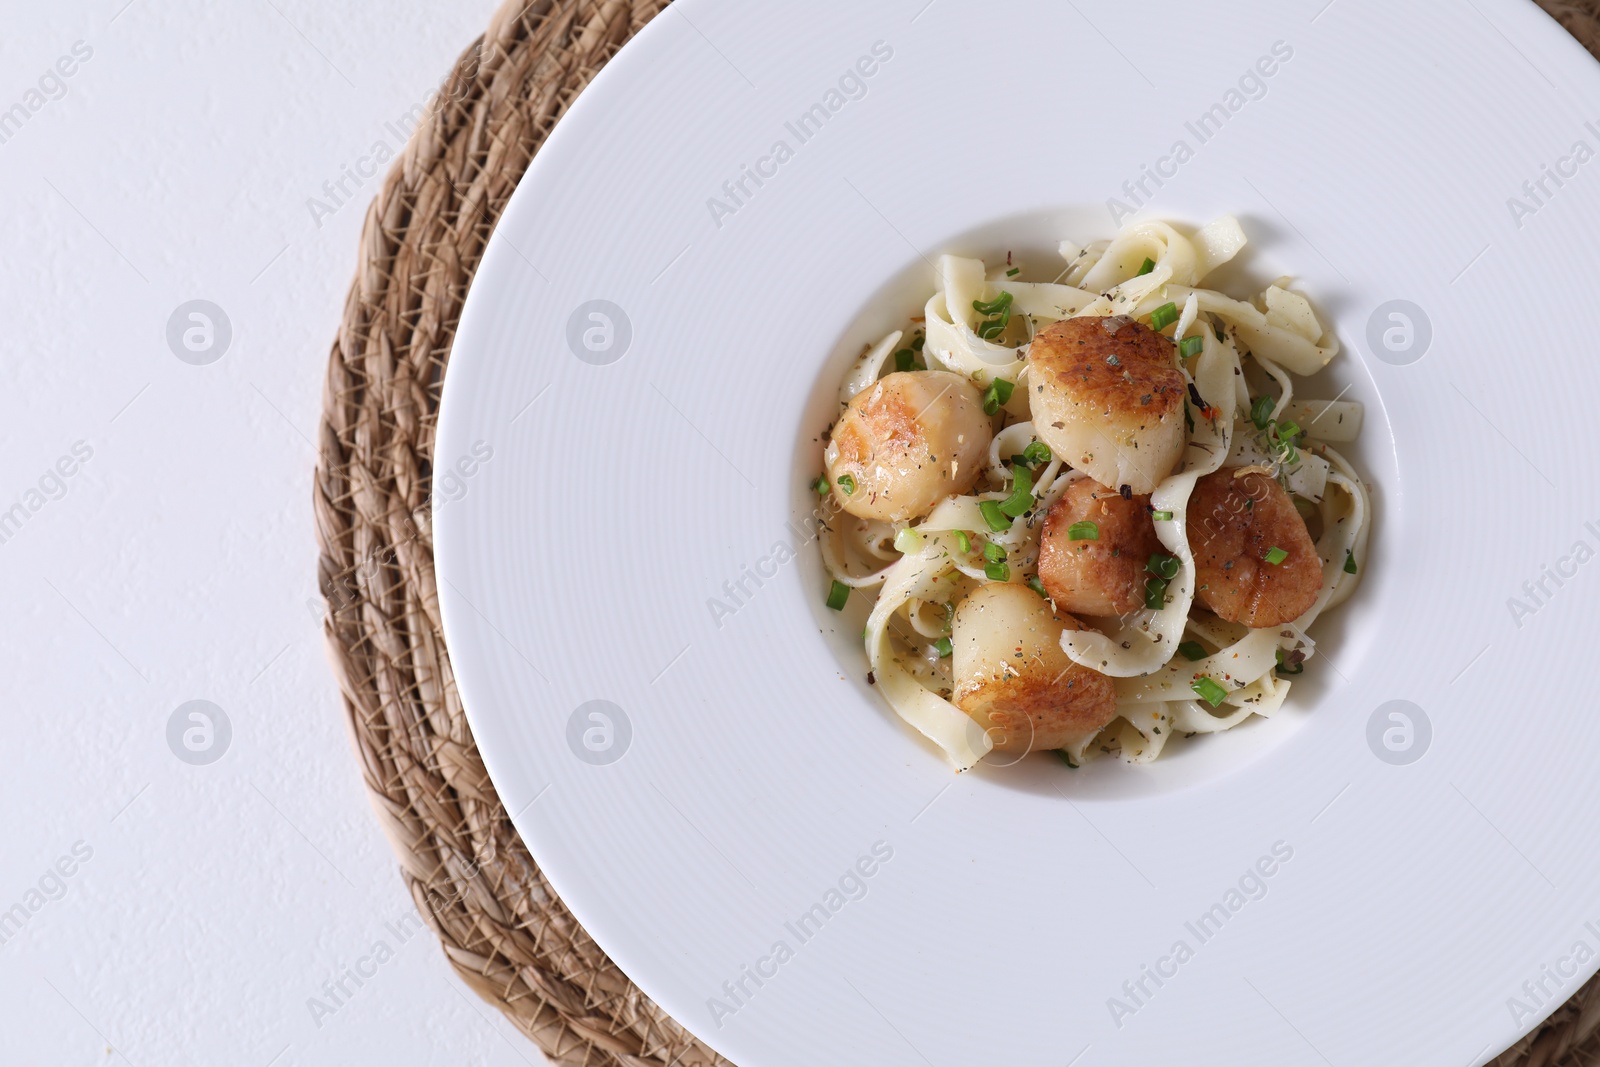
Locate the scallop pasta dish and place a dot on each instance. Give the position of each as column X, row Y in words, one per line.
column 1092, row 512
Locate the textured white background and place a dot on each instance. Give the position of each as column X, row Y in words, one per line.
column 180, row 562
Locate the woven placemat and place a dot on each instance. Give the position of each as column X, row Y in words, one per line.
column 501, row 925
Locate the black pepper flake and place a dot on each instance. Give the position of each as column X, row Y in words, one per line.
column 1194, row 394
column 872, row 679
column 1126, row 491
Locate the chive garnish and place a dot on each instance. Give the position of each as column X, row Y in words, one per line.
column 1037, row 586
column 998, row 312
column 994, row 553
column 1155, row 594
column 1191, row 346
column 1146, row 267
column 1037, row 453
column 963, row 542
column 997, row 395
column 1261, row 411
column 1021, row 498
column 1275, row 555
column 1161, row 516
column 1013, row 272
column 821, row 485
column 838, row 593
column 943, row 647
column 1163, row 316
column 1208, row 690
column 848, row 484
column 992, row 515
column 1192, row 651
column 1084, row 531
column 1162, row 565
column 1349, row 562
column 997, row 572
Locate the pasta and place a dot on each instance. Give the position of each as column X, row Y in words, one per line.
column 1091, row 512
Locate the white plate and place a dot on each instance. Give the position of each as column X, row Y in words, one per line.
column 599, row 507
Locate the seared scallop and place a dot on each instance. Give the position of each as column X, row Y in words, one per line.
column 1013, row 679
column 1255, row 562
column 1102, row 571
column 905, row 443
column 1107, row 397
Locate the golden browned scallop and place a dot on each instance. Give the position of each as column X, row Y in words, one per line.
column 1107, row 397
column 905, row 443
column 1103, row 576
column 1012, row 678
column 1239, row 520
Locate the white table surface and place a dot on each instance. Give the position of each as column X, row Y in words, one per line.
column 177, row 562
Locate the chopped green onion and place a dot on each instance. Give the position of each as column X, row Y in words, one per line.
column 1037, row 586
column 1066, row 757
column 1162, row 565
column 1163, row 316
column 994, row 553
column 1209, row 691
column 943, row 647
column 1293, row 664
column 1083, row 531
column 1013, row 272
column 905, row 360
column 821, row 485
column 919, row 342
column 1275, row 555
column 997, row 572
column 1148, row 266
column 838, row 593
column 993, row 307
column 1155, row 594
column 1037, row 453
column 1161, row 516
column 963, row 542
column 907, row 541
column 1261, row 411
column 848, row 484
column 1191, row 346
column 1288, row 431
column 1349, row 562
column 992, row 515
column 1021, row 498
column 999, row 312
column 997, row 395
column 1284, row 443
column 1192, row 651
column 1019, row 460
